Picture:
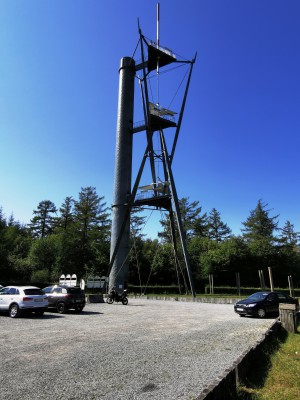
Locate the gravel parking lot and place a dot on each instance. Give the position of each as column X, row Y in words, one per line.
column 149, row 349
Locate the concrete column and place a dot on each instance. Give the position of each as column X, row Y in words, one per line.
column 123, row 170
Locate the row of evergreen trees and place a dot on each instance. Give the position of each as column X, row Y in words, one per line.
column 76, row 239
column 73, row 239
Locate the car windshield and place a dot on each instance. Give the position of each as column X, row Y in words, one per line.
column 33, row 292
column 74, row 290
column 47, row 289
column 257, row 296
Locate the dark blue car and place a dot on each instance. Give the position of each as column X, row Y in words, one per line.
column 260, row 304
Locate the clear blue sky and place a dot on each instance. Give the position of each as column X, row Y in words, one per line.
column 239, row 140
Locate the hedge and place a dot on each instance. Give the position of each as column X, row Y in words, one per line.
column 153, row 289
column 246, row 291
column 224, row 290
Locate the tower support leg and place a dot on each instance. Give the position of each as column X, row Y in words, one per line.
column 177, row 212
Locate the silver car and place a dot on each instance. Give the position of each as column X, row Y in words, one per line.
column 17, row 299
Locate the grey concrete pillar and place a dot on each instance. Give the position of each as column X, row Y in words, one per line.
column 123, row 170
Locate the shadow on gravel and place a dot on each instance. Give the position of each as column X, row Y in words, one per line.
column 73, row 312
column 33, row 316
column 83, row 313
column 127, row 305
column 135, row 305
column 45, row 316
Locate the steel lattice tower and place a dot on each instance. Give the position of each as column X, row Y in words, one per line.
column 160, row 194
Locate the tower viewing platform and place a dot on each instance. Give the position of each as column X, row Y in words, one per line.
column 160, row 55
column 160, row 118
column 155, row 195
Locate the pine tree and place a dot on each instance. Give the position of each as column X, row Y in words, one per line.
column 288, row 237
column 15, row 241
column 288, row 252
column 66, row 210
column 3, row 223
column 217, row 230
column 259, row 225
column 259, row 236
column 137, row 223
column 137, row 264
column 91, row 232
column 43, row 223
column 194, row 224
column 43, row 255
column 91, row 213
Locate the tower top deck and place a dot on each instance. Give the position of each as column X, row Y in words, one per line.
column 160, row 55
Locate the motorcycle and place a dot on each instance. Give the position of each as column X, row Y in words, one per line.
column 115, row 296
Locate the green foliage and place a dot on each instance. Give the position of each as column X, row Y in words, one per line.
column 40, row 276
column 153, row 289
column 77, row 240
column 141, row 260
column 66, row 218
column 43, row 255
column 194, row 224
column 90, row 213
column 137, row 224
column 210, row 256
column 163, row 265
column 90, row 233
column 217, row 230
column 245, row 291
column 288, row 238
column 259, row 225
column 276, row 372
column 14, row 246
column 43, row 222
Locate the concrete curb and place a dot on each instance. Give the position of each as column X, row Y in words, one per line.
column 211, row 300
column 94, row 298
column 225, row 387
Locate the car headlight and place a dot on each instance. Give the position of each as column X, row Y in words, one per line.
column 251, row 305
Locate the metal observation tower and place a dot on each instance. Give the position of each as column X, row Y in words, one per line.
column 159, row 150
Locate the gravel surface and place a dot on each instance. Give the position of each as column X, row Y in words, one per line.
column 149, row 349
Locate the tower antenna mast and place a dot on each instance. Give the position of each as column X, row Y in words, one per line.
column 157, row 46
column 157, row 25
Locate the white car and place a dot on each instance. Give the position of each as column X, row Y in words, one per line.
column 17, row 299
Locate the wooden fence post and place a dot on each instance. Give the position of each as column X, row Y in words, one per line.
column 291, row 286
column 261, row 279
column 238, row 283
column 211, row 283
column 271, row 279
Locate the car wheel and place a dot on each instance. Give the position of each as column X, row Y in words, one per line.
column 125, row 301
column 14, row 311
column 261, row 313
column 61, row 308
column 78, row 308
